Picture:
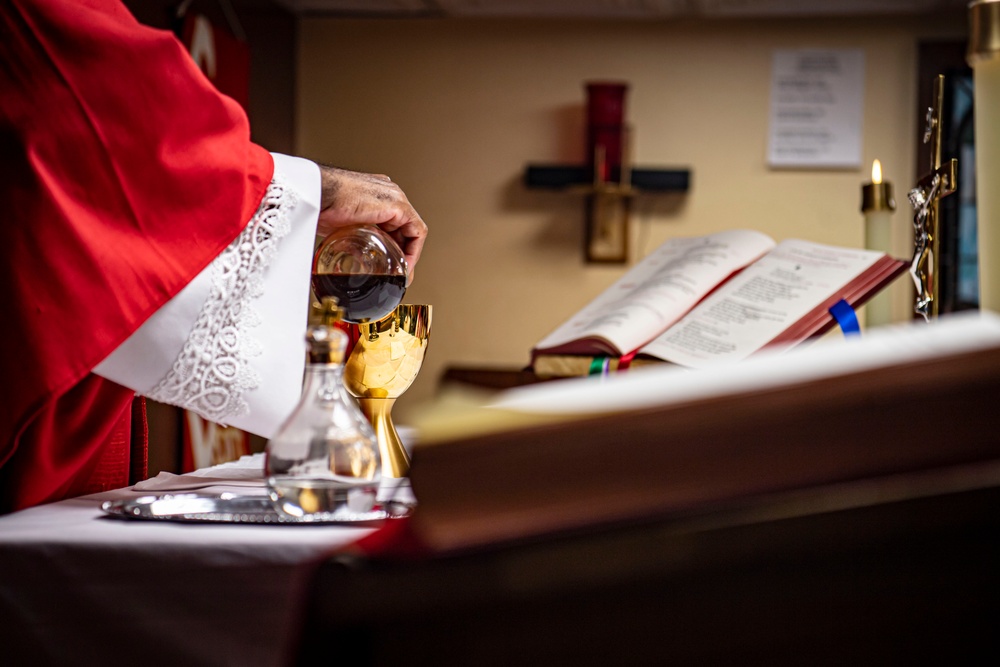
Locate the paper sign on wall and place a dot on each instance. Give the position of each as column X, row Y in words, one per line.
column 816, row 108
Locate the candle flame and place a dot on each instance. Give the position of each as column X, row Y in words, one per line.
column 876, row 172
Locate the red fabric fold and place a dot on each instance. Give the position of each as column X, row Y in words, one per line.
column 124, row 173
column 77, row 444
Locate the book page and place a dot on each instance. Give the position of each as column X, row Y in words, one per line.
column 659, row 290
column 760, row 303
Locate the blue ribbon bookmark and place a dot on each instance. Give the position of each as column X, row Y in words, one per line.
column 846, row 318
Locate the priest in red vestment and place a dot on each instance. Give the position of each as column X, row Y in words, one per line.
column 149, row 247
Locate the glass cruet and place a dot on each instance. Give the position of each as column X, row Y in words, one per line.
column 324, row 463
column 364, row 268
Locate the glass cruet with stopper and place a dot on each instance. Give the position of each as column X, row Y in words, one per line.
column 364, row 268
column 324, row 463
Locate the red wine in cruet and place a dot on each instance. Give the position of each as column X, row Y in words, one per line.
column 364, row 297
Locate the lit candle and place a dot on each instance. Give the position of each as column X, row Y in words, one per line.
column 984, row 57
column 877, row 206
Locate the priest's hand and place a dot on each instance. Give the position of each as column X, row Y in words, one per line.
column 351, row 197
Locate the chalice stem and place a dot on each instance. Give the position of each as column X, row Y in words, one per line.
column 395, row 460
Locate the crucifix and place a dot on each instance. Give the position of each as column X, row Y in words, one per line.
column 939, row 182
column 609, row 182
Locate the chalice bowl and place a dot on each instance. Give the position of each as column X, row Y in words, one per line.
column 383, row 364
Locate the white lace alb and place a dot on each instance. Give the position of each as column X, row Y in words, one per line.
column 212, row 373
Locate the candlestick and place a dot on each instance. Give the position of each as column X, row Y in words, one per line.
column 877, row 205
column 984, row 58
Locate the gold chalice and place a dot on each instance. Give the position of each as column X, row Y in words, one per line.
column 383, row 364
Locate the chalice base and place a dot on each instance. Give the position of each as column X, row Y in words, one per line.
column 395, row 460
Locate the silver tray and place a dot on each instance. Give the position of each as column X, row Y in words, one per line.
column 231, row 508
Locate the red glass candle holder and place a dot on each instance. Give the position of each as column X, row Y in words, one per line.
column 605, row 126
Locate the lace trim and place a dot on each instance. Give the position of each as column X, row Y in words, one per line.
column 212, row 372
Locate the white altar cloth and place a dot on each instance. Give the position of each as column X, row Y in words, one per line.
column 78, row 587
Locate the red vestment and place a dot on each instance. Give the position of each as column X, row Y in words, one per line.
column 123, row 173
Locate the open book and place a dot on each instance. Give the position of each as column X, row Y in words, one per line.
column 717, row 299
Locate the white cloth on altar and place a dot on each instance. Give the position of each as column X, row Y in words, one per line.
column 79, row 587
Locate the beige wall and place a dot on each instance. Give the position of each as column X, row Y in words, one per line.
column 453, row 110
